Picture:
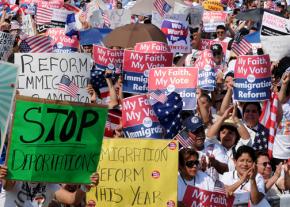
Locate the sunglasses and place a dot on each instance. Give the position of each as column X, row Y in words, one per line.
column 220, row 32
column 265, row 164
column 192, row 163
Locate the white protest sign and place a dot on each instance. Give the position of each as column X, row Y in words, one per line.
column 6, row 45
column 40, row 74
column 275, row 46
column 274, row 25
column 119, row 17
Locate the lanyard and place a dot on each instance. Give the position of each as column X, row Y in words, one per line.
column 185, row 182
column 243, row 184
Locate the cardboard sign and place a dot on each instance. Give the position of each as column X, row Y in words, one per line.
column 139, row 119
column 151, row 46
column 61, row 42
column 40, row 74
column 252, row 78
column 108, row 58
column 6, row 45
column 213, row 5
column 182, row 80
column 206, row 43
column 273, row 25
column 136, row 67
column 177, row 35
column 206, row 71
column 197, row 197
column 65, row 144
column 212, row 19
column 8, row 72
column 136, row 172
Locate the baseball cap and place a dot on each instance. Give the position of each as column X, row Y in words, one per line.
column 216, row 49
column 193, row 123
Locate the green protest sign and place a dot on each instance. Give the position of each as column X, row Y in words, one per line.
column 54, row 141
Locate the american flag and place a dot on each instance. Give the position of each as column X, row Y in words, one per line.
column 184, row 139
column 107, row 21
column 269, row 119
column 241, row 47
column 161, row 6
column 37, row 43
column 43, row 15
column 219, row 187
column 99, row 82
column 157, row 96
column 114, row 119
column 232, row 4
column 67, row 86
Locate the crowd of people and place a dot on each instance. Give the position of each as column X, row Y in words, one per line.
column 230, row 144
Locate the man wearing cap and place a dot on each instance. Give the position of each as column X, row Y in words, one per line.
column 221, row 34
column 212, row 156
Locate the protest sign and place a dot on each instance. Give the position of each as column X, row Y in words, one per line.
column 206, row 43
column 273, row 25
column 50, row 4
column 6, row 45
column 28, row 26
column 182, row 80
column 40, row 74
column 212, row 19
column 108, row 58
column 58, row 18
column 213, row 5
column 196, row 16
column 119, row 17
column 96, row 19
column 180, row 8
column 61, row 42
column 139, row 119
column 275, row 46
column 7, row 87
column 177, row 35
column 65, row 144
column 138, row 172
column 195, row 197
column 157, row 19
column 136, row 68
column 151, row 46
column 252, row 78
column 206, row 71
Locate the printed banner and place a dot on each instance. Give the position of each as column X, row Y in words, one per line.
column 151, row 46
column 58, row 18
column 206, row 43
column 61, row 42
column 136, row 172
column 40, row 74
column 182, row 80
column 212, row 19
column 6, row 45
column 8, row 72
column 136, row 68
column 177, row 35
column 252, row 78
column 50, row 4
column 213, row 5
column 195, row 197
column 139, row 119
column 206, row 71
column 273, row 25
column 65, row 145
column 108, row 58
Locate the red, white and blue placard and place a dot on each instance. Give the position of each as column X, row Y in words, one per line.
column 139, row 119
column 61, row 42
column 252, row 78
column 108, row 58
column 182, row 80
column 151, row 46
column 177, row 35
column 136, row 67
column 206, row 71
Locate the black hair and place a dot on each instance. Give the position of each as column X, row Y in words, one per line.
column 221, row 27
column 206, row 96
column 245, row 150
column 232, row 128
column 261, row 153
column 257, row 104
column 185, row 153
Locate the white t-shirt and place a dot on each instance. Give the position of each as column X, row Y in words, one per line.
column 201, row 181
column 242, row 194
column 23, row 194
column 227, row 39
column 281, row 148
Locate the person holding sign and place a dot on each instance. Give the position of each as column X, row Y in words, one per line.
column 31, row 194
column 189, row 174
column 244, row 182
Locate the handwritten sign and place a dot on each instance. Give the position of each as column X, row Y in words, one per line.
column 212, row 19
column 197, row 197
column 177, row 35
column 108, row 58
column 151, row 46
column 273, row 25
column 9, row 71
column 136, row 172
column 136, row 68
column 252, row 78
column 61, row 42
column 65, row 144
column 182, row 80
column 139, row 119
column 6, row 45
column 40, row 74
